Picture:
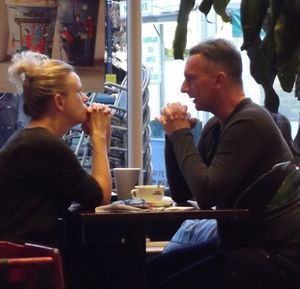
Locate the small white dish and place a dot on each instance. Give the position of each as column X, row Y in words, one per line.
column 193, row 203
column 165, row 202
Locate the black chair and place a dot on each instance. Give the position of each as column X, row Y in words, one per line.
column 270, row 191
column 263, row 192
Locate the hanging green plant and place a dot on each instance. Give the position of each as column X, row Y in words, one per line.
column 275, row 54
column 179, row 43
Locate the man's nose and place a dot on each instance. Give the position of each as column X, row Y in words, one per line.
column 184, row 88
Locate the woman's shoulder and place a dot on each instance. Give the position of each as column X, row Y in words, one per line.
column 36, row 139
column 39, row 145
column 39, row 135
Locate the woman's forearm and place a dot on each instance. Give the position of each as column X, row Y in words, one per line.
column 100, row 166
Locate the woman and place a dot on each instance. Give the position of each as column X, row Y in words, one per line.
column 39, row 174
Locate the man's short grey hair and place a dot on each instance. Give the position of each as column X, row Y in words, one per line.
column 223, row 53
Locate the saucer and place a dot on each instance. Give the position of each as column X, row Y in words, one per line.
column 165, row 202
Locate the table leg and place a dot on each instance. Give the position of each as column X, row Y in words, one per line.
column 136, row 242
column 101, row 262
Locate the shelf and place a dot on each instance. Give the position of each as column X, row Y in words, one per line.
column 92, row 77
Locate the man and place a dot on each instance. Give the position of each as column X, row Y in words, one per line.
column 237, row 146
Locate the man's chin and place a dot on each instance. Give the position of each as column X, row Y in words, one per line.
column 200, row 108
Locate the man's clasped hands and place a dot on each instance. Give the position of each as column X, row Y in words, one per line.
column 174, row 116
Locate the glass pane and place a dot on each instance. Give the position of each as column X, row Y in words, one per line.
column 158, row 32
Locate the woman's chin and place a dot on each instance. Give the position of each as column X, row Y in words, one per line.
column 84, row 115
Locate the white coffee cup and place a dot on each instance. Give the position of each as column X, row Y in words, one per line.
column 149, row 193
column 126, row 179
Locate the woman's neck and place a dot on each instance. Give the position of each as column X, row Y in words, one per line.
column 50, row 125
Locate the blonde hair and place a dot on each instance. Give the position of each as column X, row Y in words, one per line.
column 38, row 78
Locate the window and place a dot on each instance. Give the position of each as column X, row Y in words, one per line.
column 158, row 31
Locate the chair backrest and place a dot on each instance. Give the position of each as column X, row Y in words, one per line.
column 262, row 192
column 121, row 89
column 30, row 266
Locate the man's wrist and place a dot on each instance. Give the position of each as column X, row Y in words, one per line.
column 179, row 132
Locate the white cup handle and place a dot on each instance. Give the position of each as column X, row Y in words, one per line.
column 133, row 193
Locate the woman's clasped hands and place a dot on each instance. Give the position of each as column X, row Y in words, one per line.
column 98, row 119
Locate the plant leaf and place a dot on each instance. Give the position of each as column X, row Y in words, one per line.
column 205, row 6
column 180, row 38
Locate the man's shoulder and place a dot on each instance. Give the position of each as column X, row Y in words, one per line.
column 253, row 111
column 212, row 122
column 211, row 126
column 251, row 105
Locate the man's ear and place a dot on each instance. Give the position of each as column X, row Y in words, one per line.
column 59, row 102
column 220, row 79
